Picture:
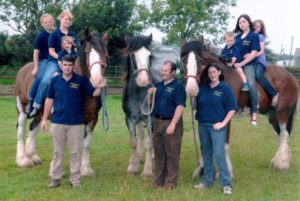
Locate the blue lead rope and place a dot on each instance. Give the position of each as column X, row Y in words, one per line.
column 105, row 120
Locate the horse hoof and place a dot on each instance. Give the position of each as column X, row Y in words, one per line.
column 36, row 159
column 88, row 173
column 25, row 162
column 147, row 176
column 282, row 166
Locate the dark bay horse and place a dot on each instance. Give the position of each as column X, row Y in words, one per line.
column 137, row 81
column 195, row 56
column 91, row 63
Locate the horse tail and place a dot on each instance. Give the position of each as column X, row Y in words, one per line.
column 291, row 117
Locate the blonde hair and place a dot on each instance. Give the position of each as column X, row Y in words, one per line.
column 229, row 34
column 69, row 39
column 65, row 13
column 46, row 15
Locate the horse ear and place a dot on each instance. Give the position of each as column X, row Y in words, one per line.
column 87, row 34
column 105, row 38
column 127, row 39
column 201, row 39
column 183, row 43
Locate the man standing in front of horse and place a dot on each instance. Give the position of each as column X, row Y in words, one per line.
column 169, row 105
column 66, row 94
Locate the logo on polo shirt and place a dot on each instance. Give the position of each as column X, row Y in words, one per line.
column 74, row 85
column 218, row 93
column 246, row 43
column 169, row 89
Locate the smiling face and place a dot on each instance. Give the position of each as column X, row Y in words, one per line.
column 257, row 27
column 213, row 74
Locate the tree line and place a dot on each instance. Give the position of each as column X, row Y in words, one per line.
column 179, row 19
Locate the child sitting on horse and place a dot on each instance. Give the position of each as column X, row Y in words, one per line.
column 67, row 47
column 259, row 28
column 232, row 54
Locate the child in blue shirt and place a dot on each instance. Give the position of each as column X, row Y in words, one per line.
column 67, row 47
column 232, row 55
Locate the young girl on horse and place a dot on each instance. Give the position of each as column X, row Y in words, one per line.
column 54, row 43
column 232, row 55
column 248, row 44
column 259, row 28
column 67, row 47
column 40, row 56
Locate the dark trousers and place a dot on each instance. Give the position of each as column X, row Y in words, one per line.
column 167, row 151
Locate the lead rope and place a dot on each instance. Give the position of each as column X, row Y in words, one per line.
column 192, row 102
column 105, row 120
column 150, row 110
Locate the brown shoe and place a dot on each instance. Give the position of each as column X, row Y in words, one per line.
column 156, row 185
column 54, row 183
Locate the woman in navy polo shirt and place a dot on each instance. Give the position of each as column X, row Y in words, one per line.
column 216, row 106
column 54, row 44
column 248, row 44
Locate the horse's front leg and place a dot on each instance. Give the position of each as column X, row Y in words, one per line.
column 283, row 156
column 30, row 142
column 134, row 160
column 21, row 159
column 147, row 172
column 86, row 169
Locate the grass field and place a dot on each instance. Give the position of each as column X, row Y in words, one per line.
column 251, row 149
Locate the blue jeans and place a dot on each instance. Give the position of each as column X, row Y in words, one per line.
column 213, row 146
column 249, row 71
column 259, row 73
column 50, row 69
column 35, row 85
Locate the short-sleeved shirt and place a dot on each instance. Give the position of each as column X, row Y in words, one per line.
column 69, row 98
column 213, row 104
column 62, row 53
column 229, row 53
column 55, row 40
column 262, row 58
column 168, row 97
column 41, row 44
column 247, row 44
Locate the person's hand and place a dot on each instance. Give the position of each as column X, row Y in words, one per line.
column 151, row 90
column 55, row 74
column 44, row 125
column 238, row 65
column 34, row 72
column 170, row 129
column 218, row 126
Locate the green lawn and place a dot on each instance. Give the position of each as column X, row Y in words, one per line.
column 252, row 148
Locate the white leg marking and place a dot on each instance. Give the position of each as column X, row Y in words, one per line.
column 283, row 156
column 86, row 169
column 147, row 172
column 21, row 159
column 30, row 146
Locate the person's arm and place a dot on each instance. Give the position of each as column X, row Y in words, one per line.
column 177, row 115
column 262, row 49
column 219, row 125
column 47, row 111
column 97, row 92
column 53, row 53
column 233, row 60
column 35, row 62
column 247, row 59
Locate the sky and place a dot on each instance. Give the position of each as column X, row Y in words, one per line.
column 281, row 17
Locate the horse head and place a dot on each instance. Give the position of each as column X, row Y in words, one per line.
column 138, row 52
column 194, row 62
column 93, row 56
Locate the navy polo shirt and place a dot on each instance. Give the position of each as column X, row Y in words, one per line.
column 213, row 104
column 168, row 97
column 41, row 44
column 69, row 98
column 62, row 53
column 247, row 44
column 233, row 51
column 55, row 40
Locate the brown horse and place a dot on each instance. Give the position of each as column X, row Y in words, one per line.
column 195, row 57
column 91, row 63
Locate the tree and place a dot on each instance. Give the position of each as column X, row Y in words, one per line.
column 182, row 19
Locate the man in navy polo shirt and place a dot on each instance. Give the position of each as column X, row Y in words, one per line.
column 169, row 104
column 66, row 94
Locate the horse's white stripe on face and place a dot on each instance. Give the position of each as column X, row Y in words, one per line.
column 191, row 86
column 142, row 61
column 95, row 71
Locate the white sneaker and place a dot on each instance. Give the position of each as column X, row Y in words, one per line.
column 274, row 100
column 227, row 190
column 200, row 186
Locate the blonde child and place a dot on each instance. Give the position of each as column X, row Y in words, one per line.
column 67, row 47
